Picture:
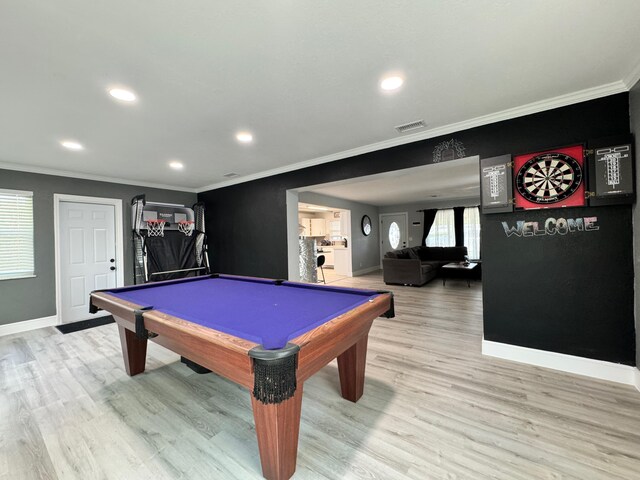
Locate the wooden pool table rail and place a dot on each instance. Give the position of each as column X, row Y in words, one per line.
column 219, row 352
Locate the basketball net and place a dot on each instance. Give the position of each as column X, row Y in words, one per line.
column 155, row 228
column 186, row 227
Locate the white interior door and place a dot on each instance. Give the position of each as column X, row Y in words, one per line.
column 393, row 232
column 87, row 252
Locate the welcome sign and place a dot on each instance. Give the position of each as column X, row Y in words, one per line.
column 551, row 226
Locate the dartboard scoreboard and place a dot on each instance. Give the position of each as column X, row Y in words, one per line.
column 612, row 175
column 496, row 184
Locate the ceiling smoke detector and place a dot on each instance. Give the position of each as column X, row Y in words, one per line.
column 411, row 126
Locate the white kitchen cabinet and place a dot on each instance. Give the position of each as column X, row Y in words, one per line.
column 318, row 227
column 328, row 256
column 341, row 261
column 306, row 223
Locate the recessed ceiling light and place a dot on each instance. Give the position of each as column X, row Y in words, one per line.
column 72, row 145
column 176, row 165
column 244, row 137
column 391, row 83
column 122, row 94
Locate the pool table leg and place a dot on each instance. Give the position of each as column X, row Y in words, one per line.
column 134, row 351
column 351, row 366
column 277, row 428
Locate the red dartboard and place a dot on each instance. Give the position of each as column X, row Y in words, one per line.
column 550, row 179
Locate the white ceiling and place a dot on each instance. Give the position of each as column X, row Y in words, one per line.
column 301, row 75
column 456, row 179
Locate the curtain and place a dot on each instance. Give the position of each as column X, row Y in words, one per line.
column 458, row 221
column 471, row 220
column 429, row 217
column 442, row 233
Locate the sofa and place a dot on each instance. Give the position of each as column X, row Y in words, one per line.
column 417, row 265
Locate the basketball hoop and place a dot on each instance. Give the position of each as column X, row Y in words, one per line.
column 155, row 228
column 186, row 227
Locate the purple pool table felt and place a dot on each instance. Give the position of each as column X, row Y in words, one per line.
column 256, row 310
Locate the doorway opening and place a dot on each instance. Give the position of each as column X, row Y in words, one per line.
column 324, row 243
column 410, row 191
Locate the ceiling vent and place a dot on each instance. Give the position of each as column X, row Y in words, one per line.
column 231, row 175
column 411, row 126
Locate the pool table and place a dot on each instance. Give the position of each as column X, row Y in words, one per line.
column 266, row 335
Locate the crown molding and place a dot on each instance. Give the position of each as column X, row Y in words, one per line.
column 87, row 176
column 531, row 108
column 535, row 107
column 633, row 77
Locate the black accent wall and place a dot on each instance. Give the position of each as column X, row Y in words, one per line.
column 246, row 226
column 634, row 111
column 246, row 222
column 566, row 292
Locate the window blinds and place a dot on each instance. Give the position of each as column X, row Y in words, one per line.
column 16, row 234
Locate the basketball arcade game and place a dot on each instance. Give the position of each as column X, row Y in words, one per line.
column 169, row 241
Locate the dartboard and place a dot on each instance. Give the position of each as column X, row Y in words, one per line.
column 549, row 178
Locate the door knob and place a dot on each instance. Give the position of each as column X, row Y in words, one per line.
column 112, row 268
column 112, row 260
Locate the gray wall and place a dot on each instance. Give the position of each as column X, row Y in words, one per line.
column 634, row 110
column 31, row 298
column 365, row 250
column 415, row 231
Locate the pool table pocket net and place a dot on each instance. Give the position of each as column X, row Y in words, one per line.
column 274, row 373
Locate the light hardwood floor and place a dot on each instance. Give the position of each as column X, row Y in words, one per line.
column 331, row 276
column 433, row 408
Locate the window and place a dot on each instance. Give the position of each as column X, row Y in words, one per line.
column 16, row 234
column 471, row 221
column 394, row 235
column 442, row 233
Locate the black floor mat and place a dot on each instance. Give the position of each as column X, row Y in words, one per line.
column 84, row 324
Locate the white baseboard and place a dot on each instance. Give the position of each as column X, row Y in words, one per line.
column 25, row 326
column 613, row 372
column 364, row 271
